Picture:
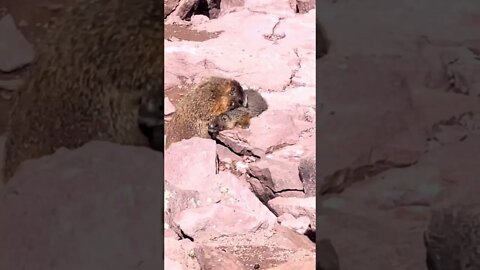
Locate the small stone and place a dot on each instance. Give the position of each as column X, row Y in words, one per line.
column 15, row 50
column 169, row 107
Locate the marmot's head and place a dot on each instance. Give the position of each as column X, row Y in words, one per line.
column 237, row 95
column 228, row 95
column 221, row 122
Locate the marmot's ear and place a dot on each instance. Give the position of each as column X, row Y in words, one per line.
column 245, row 100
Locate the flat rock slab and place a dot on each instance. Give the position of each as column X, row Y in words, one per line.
column 96, row 207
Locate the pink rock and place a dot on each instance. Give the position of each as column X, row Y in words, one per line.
column 213, row 258
column 191, row 170
column 227, row 6
column 419, row 185
column 302, row 6
column 275, row 7
column 384, row 118
column 278, row 175
column 15, row 50
column 169, row 108
column 456, row 164
column 185, row 8
column 218, row 219
column 256, row 60
column 272, row 129
column 171, row 264
column 175, row 201
column 295, row 206
column 170, row 6
column 300, row 225
column 268, row 132
column 199, row 19
column 303, row 265
column 285, row 217
column 182, row 253
column 224, row 202
column 93, row 207
column 225, row 154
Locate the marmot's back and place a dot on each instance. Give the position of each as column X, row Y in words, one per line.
column 452, row 238
column 199, row 106
column 255, row 105
column 98, row 61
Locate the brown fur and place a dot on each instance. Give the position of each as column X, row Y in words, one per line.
column 240, row 116
column 209, row 99
column 452, row 237
column 99, row 61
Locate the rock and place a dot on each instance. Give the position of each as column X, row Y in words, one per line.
column 181, row 254
column 261, row 190
column 212, row 258
column 443, row 134
column 227, row 6
column 419, row 185
column 268, row 132
column 327, row 258
column 226, row 53
column 170, row 6
column 302, row 6
column 185, row 9
column 395, row 242
column 457, row 167
column 308, row 175
column 218, row 219
column 295, row 206
column 171, row 264
column 199, row 19
column 226, row 155
column 274, row 247
column 15, row 50
column 461, row 66
column 272, row 130
column 303, row 265
column 93, row 207
column 300, row 225
column 292, row 239
column 176, row 200
column 170, row 79
column 225, row 206
column 169, row 107
column 187, row 169
column 277, row 175
column 378, row 129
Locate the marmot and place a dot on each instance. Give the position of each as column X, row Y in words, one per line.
column 452, row 239
column 151, row 119
column 97, row 62
column 255, row 105
column 212, row 97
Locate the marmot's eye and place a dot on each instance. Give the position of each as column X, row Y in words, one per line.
column 224, row 118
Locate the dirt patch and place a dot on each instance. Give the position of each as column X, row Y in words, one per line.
column 184, row 32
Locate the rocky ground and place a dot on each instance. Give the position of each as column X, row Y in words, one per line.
column 397, row 117
column 214, row 220
column 398, row 113
column 248, row 201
